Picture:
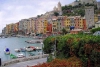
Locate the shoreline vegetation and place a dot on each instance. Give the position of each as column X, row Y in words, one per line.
column 71, row 47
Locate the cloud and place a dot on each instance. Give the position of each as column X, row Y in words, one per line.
column 12, row 11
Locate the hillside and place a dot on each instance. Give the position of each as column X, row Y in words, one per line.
column 77, row 10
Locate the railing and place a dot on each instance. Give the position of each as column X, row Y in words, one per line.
column 24, row 59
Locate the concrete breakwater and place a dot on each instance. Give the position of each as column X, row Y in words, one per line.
column 24, row 59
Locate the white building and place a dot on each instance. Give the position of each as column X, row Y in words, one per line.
column 89, row 15
column 97, row 24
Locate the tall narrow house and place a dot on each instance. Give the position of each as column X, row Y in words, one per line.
column 89, row 15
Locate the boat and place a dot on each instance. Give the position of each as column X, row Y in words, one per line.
column 34, row 41
column 38, row 48
column 22, row 49
column 30, row 48
column 7, row 51
column 12, row 56
column 17, row 50
column 20, row 55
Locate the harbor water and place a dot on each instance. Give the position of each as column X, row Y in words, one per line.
column 16, row 43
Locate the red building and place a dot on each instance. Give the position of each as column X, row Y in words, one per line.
column 84, row 24
column 49, row 29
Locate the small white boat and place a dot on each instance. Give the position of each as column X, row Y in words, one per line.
column 17, row 50
column 20, row 55
column 38, row 48
column 30, row 48
column 7, row 51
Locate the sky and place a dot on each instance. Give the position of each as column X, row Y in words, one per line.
column 12, row 11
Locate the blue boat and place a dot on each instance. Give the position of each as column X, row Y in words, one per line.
column 7, row 51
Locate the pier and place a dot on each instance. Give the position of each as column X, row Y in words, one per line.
column 18, row 60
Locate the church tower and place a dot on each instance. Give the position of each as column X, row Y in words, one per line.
column 59, row 8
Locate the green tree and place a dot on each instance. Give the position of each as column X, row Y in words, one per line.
column 64, row 31
column 56, row 14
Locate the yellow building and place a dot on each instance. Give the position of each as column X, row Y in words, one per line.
column 67, row 23
column 9, row 28
column 95, row 18
column 32, row 25
column 45, row 22
column 40, row 25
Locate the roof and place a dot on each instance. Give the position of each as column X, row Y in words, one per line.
column 76, row 30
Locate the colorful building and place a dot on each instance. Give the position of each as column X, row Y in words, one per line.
column 95, row 18
column 16, row 27
column 54, row 24
column 45, row 23
column 67, row 23
column 49, row 28
column 79, row 22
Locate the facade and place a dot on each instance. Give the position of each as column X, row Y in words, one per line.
column 99, row 17
column 45, row 23
column 67, row 23
column 49, row 29
column 40, row 26
column 79, row 23
column 89, row 15
column 16, row 28
column 54, row 24
column 95, row 18
column 84, row 24
column 60, row 24
column 97, row 24
column 32, row 24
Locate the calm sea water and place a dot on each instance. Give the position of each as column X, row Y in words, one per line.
column 15, row 43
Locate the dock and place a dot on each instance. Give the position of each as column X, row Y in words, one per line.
column 18, row 60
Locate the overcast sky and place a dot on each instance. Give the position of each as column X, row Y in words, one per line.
column 11, row 11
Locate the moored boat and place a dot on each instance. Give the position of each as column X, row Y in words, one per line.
column 12, row 56
column 22, row 49
column 30, row 48
column 17, row 50
column 20, row 55
column 7, row 51
column 38, row 48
